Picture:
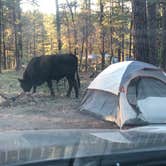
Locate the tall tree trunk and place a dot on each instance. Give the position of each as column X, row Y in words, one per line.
column 140, row 30
column 122, row 32
column 119, row 54
column 87, row 21
column 81, row 54
column 17, row 32
column 51, row 44
column 74, row 24
column 3, row 41
column 75, row 31
column 68, row 30
column 68, row 35
column 86, row 39
column 16, row 39
column 102, row 34
column 111, row 29
column 130, row 40
column 43, row 39
column 58, row 27
column 0, row 36
column 4, row 51
column 152, row 29
column 163, row 53
column 34, row 35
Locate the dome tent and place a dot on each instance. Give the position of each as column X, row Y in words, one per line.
column 129, row 92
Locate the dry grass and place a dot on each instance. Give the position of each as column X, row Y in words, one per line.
column 40, row 111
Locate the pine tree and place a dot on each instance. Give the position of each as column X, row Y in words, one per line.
column 140, row 30
column 163, row 53
column 0, row 36
column 152, row 31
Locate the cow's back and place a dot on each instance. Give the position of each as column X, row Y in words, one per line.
column 63, row 65
column 50, row 67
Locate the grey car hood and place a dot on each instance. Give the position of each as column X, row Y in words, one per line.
column 17, row 147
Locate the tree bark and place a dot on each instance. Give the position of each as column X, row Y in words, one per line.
column 68, row 30
column 0, row 36
column 111, row 29
column 130, row 41
column 3, row 41
column 43, row 39
column 122, row 33
column 87, row 33
column 152, row 29
column 58, row 27
column 34, row 35
column 140, row 30
column 119, row 54
column 81, row 54
column 163, row 53
column 74, row 25
column 102, row 35
column 17, row 32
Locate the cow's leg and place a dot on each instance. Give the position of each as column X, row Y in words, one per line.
column 75, row 88
column 49, row 83
column 34, row 89
column 70, row 87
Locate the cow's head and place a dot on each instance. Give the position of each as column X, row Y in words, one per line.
column 25, row 85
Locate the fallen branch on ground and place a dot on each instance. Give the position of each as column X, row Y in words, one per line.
column 12, row 100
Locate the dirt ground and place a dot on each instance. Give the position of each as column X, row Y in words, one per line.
column 40, row 110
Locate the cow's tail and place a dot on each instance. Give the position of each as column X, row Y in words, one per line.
column 77, row 74
column 78, row 79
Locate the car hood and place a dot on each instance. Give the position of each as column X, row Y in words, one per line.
column 17, row 147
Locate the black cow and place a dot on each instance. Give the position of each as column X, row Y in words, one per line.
column 53, row 67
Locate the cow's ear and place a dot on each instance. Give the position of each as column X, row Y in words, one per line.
column 20, row 80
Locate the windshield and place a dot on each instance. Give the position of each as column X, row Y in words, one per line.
column 51, row 51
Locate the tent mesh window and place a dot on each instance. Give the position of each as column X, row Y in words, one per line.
column 148, row 96
column 150, row 87
column 143, row 87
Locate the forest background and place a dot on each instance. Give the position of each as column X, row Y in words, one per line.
column 101, row 29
